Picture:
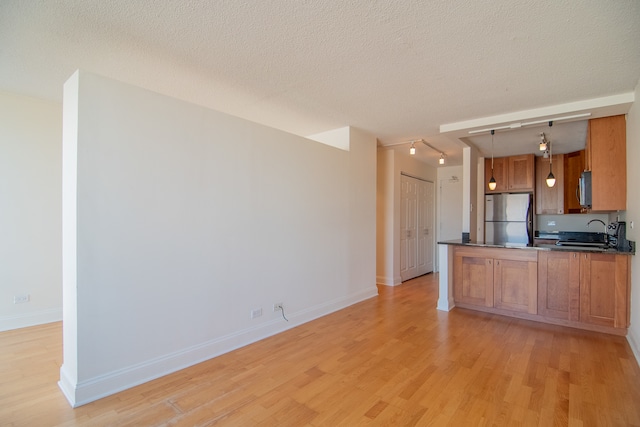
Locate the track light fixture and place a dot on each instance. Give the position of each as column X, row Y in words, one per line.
column 412, row 150
column 543, row 142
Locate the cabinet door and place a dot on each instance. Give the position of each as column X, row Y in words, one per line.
column 573, row 167
column 521, row 173
column 559, row 285
column 515, row 285
column 608, row 158
column 550, row 201
column 604, row 289
column 500, row 173
column 473, row 280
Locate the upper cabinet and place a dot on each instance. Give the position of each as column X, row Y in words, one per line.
column 550, row 200
column 512, row 174
column 606, row 158
column 521, row 172
column 574, row 164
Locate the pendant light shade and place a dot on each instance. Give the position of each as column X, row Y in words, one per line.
column 551, row 180
column 492, row 182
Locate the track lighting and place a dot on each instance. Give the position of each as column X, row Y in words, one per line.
column 543, row 142
column 412, row 150
column 441, row 160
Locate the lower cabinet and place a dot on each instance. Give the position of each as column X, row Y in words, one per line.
column 504, row 279
column 579, row 289
column 604, row 289
column 559, row 285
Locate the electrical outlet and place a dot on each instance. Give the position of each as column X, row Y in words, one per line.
column 277, row 306
column 20, row 299
column 256, row 312
column 551, row 223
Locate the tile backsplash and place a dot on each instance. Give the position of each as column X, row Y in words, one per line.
column 574, row 222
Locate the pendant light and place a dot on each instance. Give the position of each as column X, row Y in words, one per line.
column 441, row 160
column 551, row 180
column 412, row 150
column 492, row 182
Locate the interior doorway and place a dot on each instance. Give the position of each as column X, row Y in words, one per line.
column 416, row 227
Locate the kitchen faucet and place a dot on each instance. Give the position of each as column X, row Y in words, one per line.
column 601, row 222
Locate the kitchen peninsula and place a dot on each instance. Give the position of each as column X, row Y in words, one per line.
column 581, row 287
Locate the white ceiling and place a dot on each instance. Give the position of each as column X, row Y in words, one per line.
column 397, row 69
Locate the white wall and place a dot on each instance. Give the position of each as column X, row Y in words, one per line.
column 633, row 214
column 187, row 219
column 470, row 192
column 30, row 211
column 391, row 164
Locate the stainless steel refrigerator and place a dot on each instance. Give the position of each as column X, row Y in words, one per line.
column 508, row 219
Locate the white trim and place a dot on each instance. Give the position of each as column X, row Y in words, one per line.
column 388, row 281
column 25, row 320
column 104, row 385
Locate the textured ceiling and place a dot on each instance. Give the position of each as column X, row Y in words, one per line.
column 397, row 69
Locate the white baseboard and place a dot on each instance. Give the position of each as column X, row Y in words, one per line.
column 25, row 320
column 634, row 343
column 89, row 390
column 388, row 281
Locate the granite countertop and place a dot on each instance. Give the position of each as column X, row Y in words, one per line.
column 538, row 247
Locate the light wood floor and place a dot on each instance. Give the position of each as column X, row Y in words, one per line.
column 391, row 360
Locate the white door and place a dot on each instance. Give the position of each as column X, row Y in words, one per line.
column 416, row 228
column 425, row 228
column 408, row 227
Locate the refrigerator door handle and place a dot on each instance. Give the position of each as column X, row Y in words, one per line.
column 530, row 220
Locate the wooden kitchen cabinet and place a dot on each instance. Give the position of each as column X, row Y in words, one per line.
column 559, row 285
column 515, row 284
column 512, row 174
column 521, row 172
column 606, row 158
column 604, row 289
column 503, row 279
column 500, row 173
column 588, row 288
column 474, row 278
column 574, row 165
column 550, row 201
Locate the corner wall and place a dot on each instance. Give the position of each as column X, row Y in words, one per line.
column 30, row 211
column 188, row 220
column 633, row 214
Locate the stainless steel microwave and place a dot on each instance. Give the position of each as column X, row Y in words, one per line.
column 584, row 188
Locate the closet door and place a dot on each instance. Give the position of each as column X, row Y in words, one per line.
column 416, row 227
column 425, row 240
column 408, row 227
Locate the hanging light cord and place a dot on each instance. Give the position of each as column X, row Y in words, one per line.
column 550, row 155
column 492, row 132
